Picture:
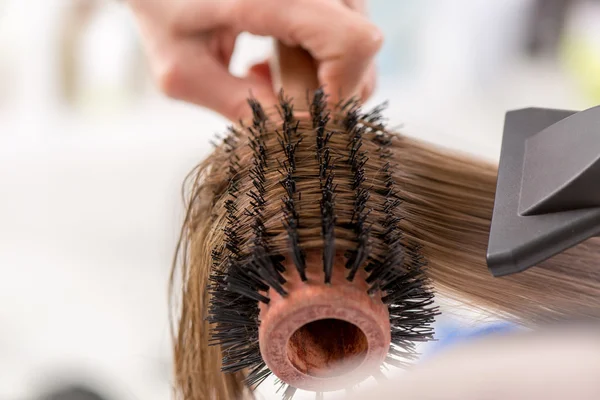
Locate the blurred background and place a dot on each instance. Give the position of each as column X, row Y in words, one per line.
column 92, row 158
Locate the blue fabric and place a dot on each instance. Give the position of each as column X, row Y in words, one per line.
column 451, row 335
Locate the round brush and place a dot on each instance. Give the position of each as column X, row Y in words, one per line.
column 313, row 281
column 325, row 326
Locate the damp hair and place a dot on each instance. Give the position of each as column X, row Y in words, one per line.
column 415, row 217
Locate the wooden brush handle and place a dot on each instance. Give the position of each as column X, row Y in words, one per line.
column 294, row 70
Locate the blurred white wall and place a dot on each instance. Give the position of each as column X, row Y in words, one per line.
column 90, row 200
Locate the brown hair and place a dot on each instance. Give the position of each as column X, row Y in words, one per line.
column 447, row 201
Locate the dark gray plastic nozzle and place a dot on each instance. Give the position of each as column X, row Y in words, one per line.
column 548, row 188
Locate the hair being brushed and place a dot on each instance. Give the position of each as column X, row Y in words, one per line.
column 412, row 216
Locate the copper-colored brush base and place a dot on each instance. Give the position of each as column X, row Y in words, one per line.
column 324, row 337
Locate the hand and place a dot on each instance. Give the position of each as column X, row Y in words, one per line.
column 190, row 44
column 550, row 363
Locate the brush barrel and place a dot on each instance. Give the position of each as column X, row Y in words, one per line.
column 294, row 70
column 320, row 337
column 324, row 337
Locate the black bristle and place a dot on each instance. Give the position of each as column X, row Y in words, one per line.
column 289, row 140
column 320, row 118
column 261, row 261
column 318, row 111
column 328, row 226
column 258, row 374
column 277, row 261
column 290, row 391
column 231, row 228
column 357, row 160
column 235, row 325
column 356, row 258
column 399, row 275
column 230, row 141
column 247, row 292
column 217, row 255
column 291, row 225
column 282, row 385
column 394, row 258
column 262, row 266
column 375, row 117
column 347, row 106
column 259, row 118
column 238, row 282
column 258, row 199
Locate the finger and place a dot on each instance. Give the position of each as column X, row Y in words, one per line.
column 369, row 83
column 370, row 80
column 225, row 45
column 192, row 16
column 190, row 73
column 344, row 49
column 262, row 71
column 356, row 5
